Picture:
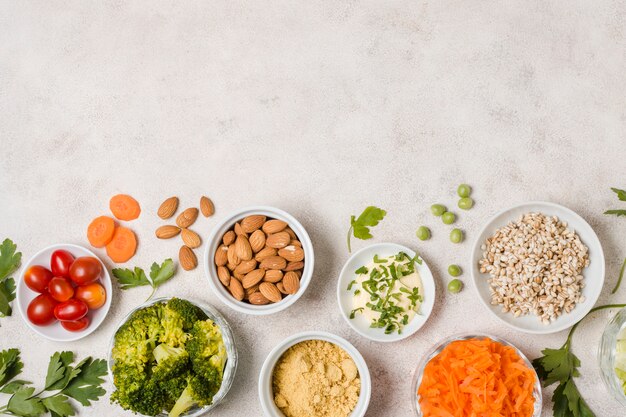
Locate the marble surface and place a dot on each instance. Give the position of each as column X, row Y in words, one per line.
column 320, row 108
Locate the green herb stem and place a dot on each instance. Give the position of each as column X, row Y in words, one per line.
column 619, row 280
column 568, row 342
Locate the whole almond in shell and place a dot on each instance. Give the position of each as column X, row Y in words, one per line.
column 221, row 255
column 252, row 278
column 278, row 240
column 265, row 253
column 191, row 238
column 270, row 292
column 245, row 266
column 292, row 253
column 273, row 275
column 187, row 258
column 281, row 288
column 291, row 282
column 187, row 217
column 167, row 231
column 257, row 298
column 224, row 275
column 206, row 206
column 236, row 290
column 273, row 262
column 274, row 226
column 243, row 248
column 233, row 259
column 257, row 240
column 168, row 208
column 251, row 223
column 229, row 238
column 294, row 266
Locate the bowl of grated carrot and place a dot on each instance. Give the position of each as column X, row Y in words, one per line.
column 475, row 374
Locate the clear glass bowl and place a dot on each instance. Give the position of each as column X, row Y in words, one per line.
column 606, row 355
column 229, row 341
column 435, row 350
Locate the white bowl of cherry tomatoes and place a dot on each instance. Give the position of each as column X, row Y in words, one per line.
column 64, row 292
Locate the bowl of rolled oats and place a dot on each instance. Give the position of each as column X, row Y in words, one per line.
column 538, row 267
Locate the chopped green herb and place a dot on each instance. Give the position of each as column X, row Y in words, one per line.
column 351, row 284
column 361, row 270
column 353, row 312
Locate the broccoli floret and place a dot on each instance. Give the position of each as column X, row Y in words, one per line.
column 171, row 362
column 207, row 351
column 198, row 392
column 178, row 318
column 174, row 388
column 150, row 400
column 136, row 339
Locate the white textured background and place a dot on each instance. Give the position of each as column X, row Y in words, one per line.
column 319, row 108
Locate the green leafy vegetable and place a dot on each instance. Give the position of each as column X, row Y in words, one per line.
column 9, row 262
column 621, row 195
column 159, row 274
column 64, row 382
column 359, row 227
column 560, row 366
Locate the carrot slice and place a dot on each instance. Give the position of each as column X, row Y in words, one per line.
column 123, row 245
column 124, row 207
column 100, row 231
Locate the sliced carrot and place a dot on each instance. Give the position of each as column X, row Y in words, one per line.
column 123, row 245
column 100, row 231
column 124, row 207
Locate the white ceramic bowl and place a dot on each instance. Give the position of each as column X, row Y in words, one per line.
column 360, row 324
column 594, row 273
column 215, row 239
column 266, row 395
column 25, row 295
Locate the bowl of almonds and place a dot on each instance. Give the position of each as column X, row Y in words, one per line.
column 259, row 260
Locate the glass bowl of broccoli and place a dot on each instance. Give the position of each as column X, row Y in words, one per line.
column 172, row 357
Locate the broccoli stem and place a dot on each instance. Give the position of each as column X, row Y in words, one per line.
column 184, row 403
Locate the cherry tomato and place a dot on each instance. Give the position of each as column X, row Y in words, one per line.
column 60, row 263
column 60, row 289
column 41, row 310
column 76, row 325
column 85, row 270
column 71, row 310
column 37, row 278
column 94, row 295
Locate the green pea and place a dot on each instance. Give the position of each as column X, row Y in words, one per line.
column 454, row 270
column 464, row 190
column 466, row 203
column 455, row 286
column 456, row 236
column 438, row 209
column 423, row 233
column 448, row 217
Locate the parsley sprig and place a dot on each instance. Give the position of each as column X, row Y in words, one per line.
column 137, row 278
column 81, row 382
column 359, row 227
column 9, row 262
column 621, row 195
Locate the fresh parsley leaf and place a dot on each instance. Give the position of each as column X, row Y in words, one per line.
column 86, row 386
column 161, row 274
column 59, row 405
column 621, row 194
column 9, row 258
column 14, row 386
column 7, row 294
column 359, row 227
column 616, row 212
column 129, row 278
column 556, row 365
column 10, row 365
column 58, row 368
column 22, row 403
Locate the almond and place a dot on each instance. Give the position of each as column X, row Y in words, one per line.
column 257, row 240
column 239, row 231
column 224, row 275
column 187, row 258
column 293, row 266
column 245, row 266
column 291, row 282
column 242, row 248
column 251, row 290
column 251, row 223
column 252, row 278
column 187, row 217
column 291, row 233
column 265, row 253
column 192, row 239
column 270, row 292
column 221, row 255
column 168, row 208
column 231, row 267
column 273, row 262
column 236, row 289
column 274, row 226
column 281, row 288
column 295, row 242
column 290, row 253
column 206, row 206
column 229, row 238
column 237, row 275
column 278, row 240
column 167, row 231
column 233, row 259
column 273, row 275
column 258, row 299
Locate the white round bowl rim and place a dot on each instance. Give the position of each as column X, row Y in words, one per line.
column 210, row 271
column 103, row 311
column 265, row 376
column 578, row 312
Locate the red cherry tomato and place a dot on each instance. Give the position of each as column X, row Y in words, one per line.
column 41, row 310
column 60, row 289
column 71, row 310
column 37, row 278
column 94, row 295
column 76, row 325
column 85, row 270
column 60, row 263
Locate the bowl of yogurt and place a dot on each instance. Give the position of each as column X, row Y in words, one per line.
column 386, row 292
